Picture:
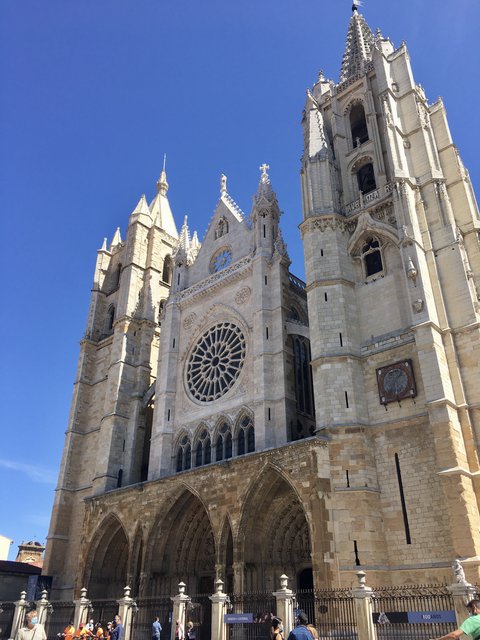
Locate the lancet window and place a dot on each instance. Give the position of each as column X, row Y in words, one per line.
column 167, row 270
column 203, row 450
column 246, row 436
column 303, row 376
column 223, row 444
column 184, row 454
column 109, row 320
column 358, row 125
column 372, row 256
column 366, row 178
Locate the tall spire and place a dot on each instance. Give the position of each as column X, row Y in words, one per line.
column 359, row 45
column 162, row 184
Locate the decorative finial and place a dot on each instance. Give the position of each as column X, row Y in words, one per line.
column 355, row 5
column 162, row 184
column 321, row 76
column 263, row 168
column 223, row 184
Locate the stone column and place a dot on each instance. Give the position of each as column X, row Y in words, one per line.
column 19, row 614
column 462, row 593
column 238, row 577
column 285, row 599
column 219, row 605
column 43, row 608
column 127, row 609
column 82, row 608
column 363, row 608
column 180, row 602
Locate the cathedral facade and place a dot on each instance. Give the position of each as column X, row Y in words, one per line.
column 251, row 424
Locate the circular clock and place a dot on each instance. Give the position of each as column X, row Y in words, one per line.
column 215, row 362
column 222, row 260
column 395, row 382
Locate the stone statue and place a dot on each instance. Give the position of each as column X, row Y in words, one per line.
column 459, row 572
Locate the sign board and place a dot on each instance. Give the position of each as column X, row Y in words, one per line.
column 237, row 618
column 413, row 617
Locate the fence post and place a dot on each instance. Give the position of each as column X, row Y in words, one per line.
column 43, row 607
column 363, row 609
column 179, row 608
column 285, row 599
column 462, row 592
column 19, row 614
column 127, row 608
column 219, row 602
column 82, row 607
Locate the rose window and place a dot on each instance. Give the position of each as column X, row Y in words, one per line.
column 216, row 362
column 222, row 260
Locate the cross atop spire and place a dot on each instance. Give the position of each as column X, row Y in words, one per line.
column 264, row 168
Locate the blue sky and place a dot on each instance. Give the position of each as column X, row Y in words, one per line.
column 93, row 93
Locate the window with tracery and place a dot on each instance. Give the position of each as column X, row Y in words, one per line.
column 358, row 125
column 184, row 454
column 215, row 362
column 303, row 376
column 372, row 256
column 246, row 436
column 223, row 444
column 203, row 450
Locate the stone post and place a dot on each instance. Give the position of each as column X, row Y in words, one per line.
column 285, row 600
column 180, row 602
column 127, row 609
column 82, row 608
column 363, row 608
column 43, row 608
column 19, row 614
column 219, row 606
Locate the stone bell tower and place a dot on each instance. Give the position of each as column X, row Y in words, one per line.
column 391, row 236
column 107, row 442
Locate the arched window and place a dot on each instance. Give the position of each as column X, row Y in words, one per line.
column 303, row 376
column 223, row 445
column 246, row 437
column 184, row 455
column 358, row 125
column 116, row 277
column 110, row 319
column 203, row 451
column 222, row 228
column 366, row 178
column 161, row 308
column 372, row 256
column 167, row 270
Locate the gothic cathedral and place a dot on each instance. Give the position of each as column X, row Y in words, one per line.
column 251, row 424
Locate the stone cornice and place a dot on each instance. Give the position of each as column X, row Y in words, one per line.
column 324, row 222
column 329, row 282
column 212, row 283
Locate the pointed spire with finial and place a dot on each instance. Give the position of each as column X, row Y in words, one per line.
column 184, row 239
column 117, row 239
column 265, row 200
column 223, row 184
column 359, row 45
column 162, row 184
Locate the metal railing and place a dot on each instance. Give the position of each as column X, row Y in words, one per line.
column 147, row 610
column 7, row 610
column 397, row 600
column 262, row 605
column 103, row 610
column 331, row 611
column 59, row 616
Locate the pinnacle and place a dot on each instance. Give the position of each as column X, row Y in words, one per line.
column 359, row 46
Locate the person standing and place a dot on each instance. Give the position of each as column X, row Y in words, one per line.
column 276, row 632
column 471, row 626
column 156, row 629
column 32, row 629
column 68, row 632
column 118, row 632
column 300, row 632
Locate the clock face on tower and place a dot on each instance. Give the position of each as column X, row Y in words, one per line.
column 396, row 382
column 215, row 362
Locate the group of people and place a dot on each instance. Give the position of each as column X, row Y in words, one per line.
column 33, row 630
column 302, row 630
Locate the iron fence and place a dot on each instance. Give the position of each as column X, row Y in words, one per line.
column 104, row 611
column 58, row 617
column 331, row 611
column 199, row 611
column 262, row 605
column 389, row 603
column 148, row 609
column 7, row 609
